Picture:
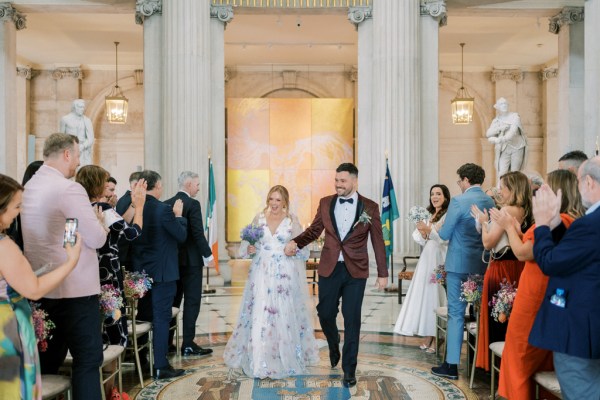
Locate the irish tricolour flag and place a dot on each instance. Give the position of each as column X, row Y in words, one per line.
column 211, row 215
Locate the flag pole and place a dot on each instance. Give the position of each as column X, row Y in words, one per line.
column 207, row 288
column 391, row 222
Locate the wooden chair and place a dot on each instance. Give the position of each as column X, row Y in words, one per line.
column 441, row 325
column 175, row 313
column 472, row 330
column 55, row 387
column 136, row 329
column 404, row 275
column 547, row 380
column 312, row 266
column 497, row 348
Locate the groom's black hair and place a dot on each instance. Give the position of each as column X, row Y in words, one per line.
column 473, row 172
column 348, row 167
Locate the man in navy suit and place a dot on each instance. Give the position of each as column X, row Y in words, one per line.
column 123, row 205
column 463, row 258
column 155, row 252
column 568, row 321
column 193, row 254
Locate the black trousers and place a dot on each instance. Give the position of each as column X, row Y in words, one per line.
column 340, row 284
column 77, row 329
column 189, row 286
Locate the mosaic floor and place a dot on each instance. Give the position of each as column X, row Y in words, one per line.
column 390, row 366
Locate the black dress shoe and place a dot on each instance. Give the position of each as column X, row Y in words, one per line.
column 446, row 370
column 167, row 372
column 349, row 379
column 195, row 350
column 334, row 353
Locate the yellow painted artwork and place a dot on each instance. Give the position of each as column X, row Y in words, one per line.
column 297, row 143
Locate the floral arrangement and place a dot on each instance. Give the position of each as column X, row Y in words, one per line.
column 41, row 325
column 252, row 234
column 417, row 214
column 471, row 289
column 136, row 284
column 111, row 302
column 438, row 275
column 502, row 301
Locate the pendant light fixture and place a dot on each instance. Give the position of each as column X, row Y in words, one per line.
column 116, row 102
column 462, row 104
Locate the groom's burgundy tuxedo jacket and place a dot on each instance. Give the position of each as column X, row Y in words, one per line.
column 354, row 245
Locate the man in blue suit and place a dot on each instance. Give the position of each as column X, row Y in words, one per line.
column 568, row 321
column 463, row 258
column 155, row 252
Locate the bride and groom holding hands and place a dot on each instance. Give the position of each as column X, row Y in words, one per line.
column 274, row 337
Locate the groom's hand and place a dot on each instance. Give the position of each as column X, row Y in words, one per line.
column 381, row 283
column 291, row 248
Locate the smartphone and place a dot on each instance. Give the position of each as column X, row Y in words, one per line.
column 70, row 231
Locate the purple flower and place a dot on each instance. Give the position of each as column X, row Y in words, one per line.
column 252, row 233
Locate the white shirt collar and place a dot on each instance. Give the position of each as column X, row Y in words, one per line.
column 593, row 208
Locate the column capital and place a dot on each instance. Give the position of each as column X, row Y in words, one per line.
column 9, row 13
column 568, row 16
column 515, row 75
column 358, row 14
column 24, row 72
column 62, row 72
column 145, row 9
column 548, row 73
column 222, row 13
column 435, row 9
column 353, row 74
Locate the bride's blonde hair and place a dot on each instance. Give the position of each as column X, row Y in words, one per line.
column 285, row 197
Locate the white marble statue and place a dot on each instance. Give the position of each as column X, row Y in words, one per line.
column 506, row 133
column 77, row 124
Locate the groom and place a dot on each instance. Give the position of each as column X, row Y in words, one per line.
column 347, row 218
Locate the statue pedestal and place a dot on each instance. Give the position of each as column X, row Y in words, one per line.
column 239, row 272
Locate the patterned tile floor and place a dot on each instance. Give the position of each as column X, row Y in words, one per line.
column 379, row 348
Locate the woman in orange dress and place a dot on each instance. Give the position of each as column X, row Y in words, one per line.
column 515, row 200
column 520, row 360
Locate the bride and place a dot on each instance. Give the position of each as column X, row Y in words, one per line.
column 274, row 337
column 423, row 297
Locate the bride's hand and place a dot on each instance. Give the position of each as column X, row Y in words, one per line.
column 251, row 249
column 423, row 227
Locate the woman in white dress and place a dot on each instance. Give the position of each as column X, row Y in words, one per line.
column 423, row 297
column 274, row 337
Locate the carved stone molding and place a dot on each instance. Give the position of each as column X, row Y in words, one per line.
column 9, row 13
column 515, row 75
column 60, row 73
column 436, row 9
column 24, row 72
column 222, row 13
column 353, row 74
column 568, row 16
column 145, row 9
column 289, row 79
column 548, row 73
column 356, row 15
column 226, row 74
column 138, row 75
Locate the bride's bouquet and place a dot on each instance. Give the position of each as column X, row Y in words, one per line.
column 42, row 326
column 502, row 301
column 471, row 289
column 252, row 233
column 438, row 275
column 417, row 214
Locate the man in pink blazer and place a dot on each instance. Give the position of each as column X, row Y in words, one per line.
column 348, row 219
column 49, row 198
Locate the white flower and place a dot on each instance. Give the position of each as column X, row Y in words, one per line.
column 364, row 218
column 418, row 213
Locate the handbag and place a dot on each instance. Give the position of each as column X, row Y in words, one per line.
column 499, row 249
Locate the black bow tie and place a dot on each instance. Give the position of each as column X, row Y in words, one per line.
column 342, row 201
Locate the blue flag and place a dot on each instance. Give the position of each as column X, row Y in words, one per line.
column 389, row 213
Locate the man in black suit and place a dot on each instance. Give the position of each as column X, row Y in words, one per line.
column 193, row 254
column 124, row 205
column 155, row 252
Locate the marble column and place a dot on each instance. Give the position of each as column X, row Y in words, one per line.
column 23, row 118
column 10, row 21
column 148, row 13
column 550, row 118
column 433, row 16
column 220, row 16
column 389, row 98
column 568, row 24
column 592, row 77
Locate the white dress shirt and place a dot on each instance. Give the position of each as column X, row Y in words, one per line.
column 344, row 216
